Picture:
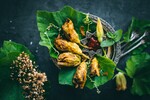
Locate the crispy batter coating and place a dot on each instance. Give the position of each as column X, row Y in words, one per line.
column 70, row 32
column 61, row 44
column 64, row 45
column 68, row 59
column 79, row 78
column 94, row 69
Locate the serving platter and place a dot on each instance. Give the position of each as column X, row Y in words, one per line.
column 87, row 47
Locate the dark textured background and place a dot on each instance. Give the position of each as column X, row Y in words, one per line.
column 18, row 23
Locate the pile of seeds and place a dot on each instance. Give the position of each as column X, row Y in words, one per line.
column 24, row 71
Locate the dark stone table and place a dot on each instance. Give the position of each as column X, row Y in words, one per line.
column 18, row 23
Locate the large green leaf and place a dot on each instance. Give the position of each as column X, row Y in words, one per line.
column 58, row 18
column 106, row 65
column 12, row 47
column 10, row 90
column 137, row 67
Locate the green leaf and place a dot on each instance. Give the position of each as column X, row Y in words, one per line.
column 66, row 76
column 133, row 61
column 107, row 43
column 10, row 90
column 118, row 35
column 110, row 35
column 136, row 25
column 106, row 66
column 58, row 18
column 113, row 37
column 53, row 54
column 140, row 49
column 137, row 67
column 127, row 35
column 10, row 51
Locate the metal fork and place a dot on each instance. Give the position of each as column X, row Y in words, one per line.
column 134, row 35
column 133, row 45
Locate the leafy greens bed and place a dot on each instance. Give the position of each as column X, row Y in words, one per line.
column 49, row 25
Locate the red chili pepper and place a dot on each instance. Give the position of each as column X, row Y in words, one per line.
column 93, row 43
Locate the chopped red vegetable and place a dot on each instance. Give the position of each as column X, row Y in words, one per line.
column 93, row 43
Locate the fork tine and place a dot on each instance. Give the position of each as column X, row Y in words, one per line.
column 131, row 45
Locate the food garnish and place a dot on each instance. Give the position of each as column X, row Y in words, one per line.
column 99, row 30
column 87, row 21
column 112, row 38
column 93, row 43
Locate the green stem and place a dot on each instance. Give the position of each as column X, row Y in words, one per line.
column 104, row 52
column 97, row 90
column 53, row 25
column 119, row 70
column 51, row 43
column 87, row 22
column 121, row 41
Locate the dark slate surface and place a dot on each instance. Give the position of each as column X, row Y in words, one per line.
column 18, row 23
